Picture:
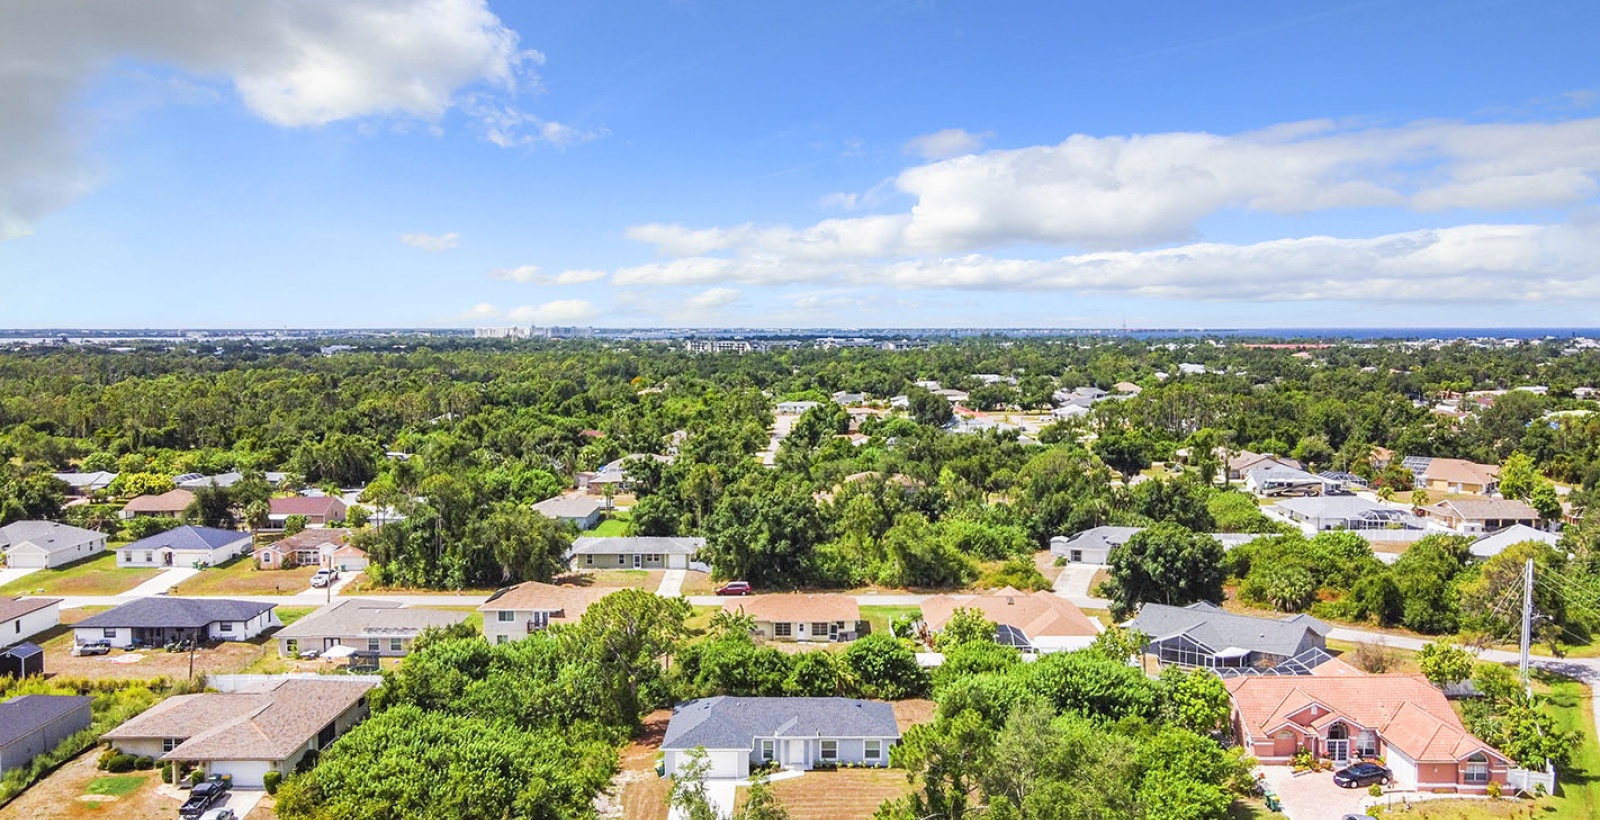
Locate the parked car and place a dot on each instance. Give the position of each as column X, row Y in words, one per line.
column 324, row 577
column 202, row 798
column 91, row 648
column 735, row 588
column 1362, row 774
column 220, row 814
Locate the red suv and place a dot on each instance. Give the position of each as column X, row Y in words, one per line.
column 735, row 588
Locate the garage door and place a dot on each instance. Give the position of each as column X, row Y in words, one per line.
column 726, row 764
column 247, row 774
column 26, row 560
column 1404, row 768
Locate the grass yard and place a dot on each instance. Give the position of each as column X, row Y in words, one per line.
column 837, row 795
column 92, row 576
column 240, row 577
column 647, row 579
column 880, row 616
column 1249, row 809
column 615, row 524
column 700, row 621
column 290, row 614
column 698, row 583
column 120, row 785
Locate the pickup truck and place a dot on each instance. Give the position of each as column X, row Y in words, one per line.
column 201, row 798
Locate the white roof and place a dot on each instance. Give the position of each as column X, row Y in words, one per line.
column 1496, row 542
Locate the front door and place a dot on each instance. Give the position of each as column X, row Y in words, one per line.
column 638, row 561
column 166, row 558
column 1339, row 751
column 833, row 631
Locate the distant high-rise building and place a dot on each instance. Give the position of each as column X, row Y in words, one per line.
column 512, row 332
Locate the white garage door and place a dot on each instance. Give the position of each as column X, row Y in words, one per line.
column 1404, row 768
column 247, row 774
column 27, row 560
column 726, row 764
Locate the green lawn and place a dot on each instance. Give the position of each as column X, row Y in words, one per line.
column 92, row 576
column 240, row 577
column 615, row 524
column 880, row 616
column 290, row 614
column 115, row 785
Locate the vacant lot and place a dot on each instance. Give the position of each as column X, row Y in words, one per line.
column 838, row 795
column 643, row 794
column 240, row 577
column 646, row 579
column 908, row 713
column 63, row 794
column 698, row 583
column 93, row 576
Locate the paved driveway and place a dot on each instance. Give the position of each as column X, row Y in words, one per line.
column 1313, row 796
column 8, row 575
column 161, row 583
column 672, row 583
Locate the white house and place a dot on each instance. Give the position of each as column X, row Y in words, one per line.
column 46, row 544
column 794, row 733
column 160, row 620
column 246, row 733
column 184, row 547
column 633, row 552
column 1091, row 546
column 514, row 613
column 22, row 618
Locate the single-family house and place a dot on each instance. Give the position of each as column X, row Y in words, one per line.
column 1475, row 515
column 1202, row 634
column 513, row 613
column 328, row 548
column 1242, row 462
column 195, row 481
column 21, row 661
column 31, row 725
column 383, row 628
column 319, row 511
column 171, row 504
column 184, row 547
column 248, row 732
column 794, row 733
column 580, row 510
column 23, row 618
column 47, row 544
column 161, row 620
column 795, row 408
column 1069, row 411
column 1494, row 543
column 1128, row 388
column 800, row 616
column 1403, row 719
column 1345, row 512
column 83, row 485
column 634, row 552
column 1454, row 475
column 615, row 474
column 1092, row 546
column 1274, row 481
column 1030, row 621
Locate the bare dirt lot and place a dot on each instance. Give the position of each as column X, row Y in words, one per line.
column 57, row 797
column 644, row 796
column 838, row 795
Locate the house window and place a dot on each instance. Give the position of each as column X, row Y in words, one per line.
column 1367, row 744
column 372, row 644
column 505, row 616
column 170, row 743
column 149, row 557
column 766, row 751
column 1076, row 556
column 830, row 750
column 874, row 750
column 652, row 558
column 397, row 645
column 292, row 646
column 819, row 630
column 782, row 629
column 622, row 560
column 109, row 633
column 502, row 639
column 1476, row 769
column 588, row 560
column 540, row 619
column 225, row 626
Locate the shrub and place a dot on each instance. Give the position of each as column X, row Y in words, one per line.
column 120, row 763
column 1493, row 790
column 166, row 772
column 144, row 763
column 1375, row 790
column 271, row 780
column 195, row 777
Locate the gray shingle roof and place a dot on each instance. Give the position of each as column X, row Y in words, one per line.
column 47, row 535
column 1222, row 630
column 734, row 723
column 176, row 613
column 358, row 618
column 569, row 506
column 1097, row 538
column 628, row 545
column 188, row 538
column 19, row 716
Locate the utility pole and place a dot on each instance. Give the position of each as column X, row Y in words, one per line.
column 1527, row 621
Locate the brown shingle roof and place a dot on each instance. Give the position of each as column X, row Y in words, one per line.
column 17, row 607
column 531, row 596
column 172, row 501
column 267, row 722
column 1038, row 614
column 797, row 607
column 325, row 506
column 1409, row 713
column 1481, row 509
column 1460, row 471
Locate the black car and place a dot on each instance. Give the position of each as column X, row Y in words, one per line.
column 1362, row 774
column 204, row 796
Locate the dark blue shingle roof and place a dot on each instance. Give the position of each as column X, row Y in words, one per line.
column 188, row 538
column 20, row 716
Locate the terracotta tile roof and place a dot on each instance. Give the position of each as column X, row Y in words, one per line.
column 267, row 722
column 797, row 607
column 1037, row 614
column 532, row 596
column 1407, row 711
column 1460, row 471
column 325, row 506
column 170, row 501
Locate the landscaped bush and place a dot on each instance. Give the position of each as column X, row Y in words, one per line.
column 144, row 763
column 120, row 763
column 271, row 780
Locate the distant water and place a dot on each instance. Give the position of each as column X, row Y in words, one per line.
column 1371, row 333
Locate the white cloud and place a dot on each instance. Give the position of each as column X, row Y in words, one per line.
column 1471, row 263
column 482, row 310
column 558, row 312
column 951, row 142
column 292, row 63
column 507, row 126
column 531, row 274
column 432, row 243
column 712, row 299
column 1146, row 190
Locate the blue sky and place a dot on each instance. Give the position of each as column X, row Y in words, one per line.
column 456, row 163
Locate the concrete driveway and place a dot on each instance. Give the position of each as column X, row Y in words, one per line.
column 9, row 574
column 242, row 800
column 1312, row 796
column 161, row 583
